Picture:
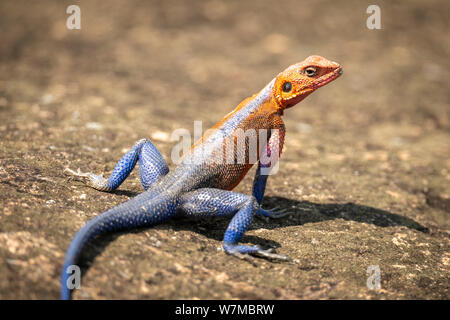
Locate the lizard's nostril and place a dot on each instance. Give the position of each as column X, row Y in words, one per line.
column 341, row 71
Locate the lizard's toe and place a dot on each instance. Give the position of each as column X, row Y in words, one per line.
column 269, row 253
column 244, row 252
column 77, row 173
column 274, row 213
column 92, row 180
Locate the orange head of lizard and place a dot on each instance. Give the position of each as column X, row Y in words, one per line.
column 301, row 79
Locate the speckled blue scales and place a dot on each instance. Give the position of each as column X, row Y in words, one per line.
column 192, row 189
column 200, row 185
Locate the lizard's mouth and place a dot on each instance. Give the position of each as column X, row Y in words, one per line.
column 327, row 78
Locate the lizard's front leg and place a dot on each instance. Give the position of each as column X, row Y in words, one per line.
column 268, row 159
column 151, row 167
column 210, row 202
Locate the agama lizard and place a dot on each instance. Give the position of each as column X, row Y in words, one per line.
column 200, row 186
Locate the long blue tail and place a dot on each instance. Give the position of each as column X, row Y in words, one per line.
column 140, row 211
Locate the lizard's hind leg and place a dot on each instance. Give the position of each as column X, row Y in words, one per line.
column 152, row 166
column 209, row 202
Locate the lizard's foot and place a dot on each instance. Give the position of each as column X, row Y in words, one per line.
column 245, row 257
column 273, row 213
column 92, row 180
column 246, row 253
column 269, row 253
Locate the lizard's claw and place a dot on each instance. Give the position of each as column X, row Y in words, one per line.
column 77, row 174
column 269, row 253
column 273, row 213
column 92, row 180
column 246, row 252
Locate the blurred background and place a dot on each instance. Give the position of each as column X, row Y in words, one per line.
column 378, row 136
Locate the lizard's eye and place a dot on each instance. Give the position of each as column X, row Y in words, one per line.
column 310, row 71
column 287, row 87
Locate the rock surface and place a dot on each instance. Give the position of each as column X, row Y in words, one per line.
column 365, row 171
